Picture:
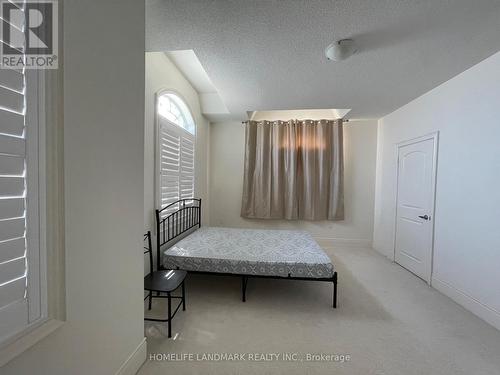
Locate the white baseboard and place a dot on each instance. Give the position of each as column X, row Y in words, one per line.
column 478, row 308
column 344, row 242
column 388, row 254
column 135, row 360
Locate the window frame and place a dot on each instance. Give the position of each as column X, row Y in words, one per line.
column 35, row 179
column 44, row 89
column 48, row 108
column 36, row 249
column 157, row 149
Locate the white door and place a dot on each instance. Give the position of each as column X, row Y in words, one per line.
column 415, row 205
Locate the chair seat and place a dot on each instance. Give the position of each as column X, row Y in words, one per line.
column 164, row 280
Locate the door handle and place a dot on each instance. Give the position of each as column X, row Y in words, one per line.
column 425, row 217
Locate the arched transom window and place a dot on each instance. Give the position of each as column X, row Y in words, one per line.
column 175, row 110
column 176, row 151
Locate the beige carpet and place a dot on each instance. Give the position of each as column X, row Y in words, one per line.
column 388, row 322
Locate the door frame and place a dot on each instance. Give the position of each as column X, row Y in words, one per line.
column 434, row 136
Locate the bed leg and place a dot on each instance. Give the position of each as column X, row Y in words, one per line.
column 244, row 281
column 335, row 290
column 183, row 295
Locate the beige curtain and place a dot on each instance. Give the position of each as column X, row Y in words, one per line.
column 293, row 170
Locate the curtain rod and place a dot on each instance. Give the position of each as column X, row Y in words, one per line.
column 244, row 122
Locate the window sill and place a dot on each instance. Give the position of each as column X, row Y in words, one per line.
column 27, row 339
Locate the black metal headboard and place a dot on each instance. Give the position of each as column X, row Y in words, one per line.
column 186, row 216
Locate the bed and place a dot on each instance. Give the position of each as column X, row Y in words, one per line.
column 247, row 253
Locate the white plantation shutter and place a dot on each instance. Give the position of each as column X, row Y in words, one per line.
column 170, row 152
column 13, row 263
column 186, row 187
column 176, row 155
column 19, row 244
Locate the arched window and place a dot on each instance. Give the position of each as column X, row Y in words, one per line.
column 176, row 150
column 176, row 111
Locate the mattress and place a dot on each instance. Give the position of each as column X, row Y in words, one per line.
column 281, row 253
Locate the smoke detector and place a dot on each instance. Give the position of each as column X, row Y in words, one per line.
column 340, row 50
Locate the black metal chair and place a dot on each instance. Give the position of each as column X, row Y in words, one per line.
column 163, row 281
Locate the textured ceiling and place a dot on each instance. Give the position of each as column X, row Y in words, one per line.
column 269, row 55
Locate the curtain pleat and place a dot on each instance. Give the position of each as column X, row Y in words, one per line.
column 293, row 170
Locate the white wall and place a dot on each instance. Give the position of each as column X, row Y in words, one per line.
column 466, row 112
column 162, row 74
column 104, row 151
column 227, row 145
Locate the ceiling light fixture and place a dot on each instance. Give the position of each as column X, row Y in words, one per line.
column 340, row 50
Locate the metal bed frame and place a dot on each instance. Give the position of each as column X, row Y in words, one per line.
column 188, row 216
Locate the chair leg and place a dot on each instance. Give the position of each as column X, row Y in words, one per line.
column 335, row 290
column 150, row 300
column 244, row 288
column 183, row 296
column 169, row 311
